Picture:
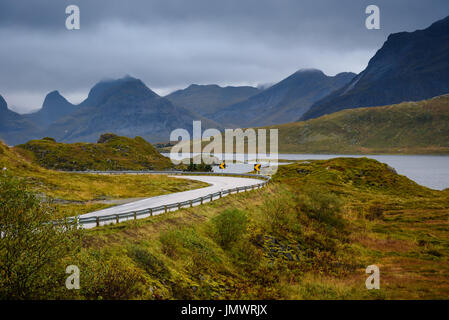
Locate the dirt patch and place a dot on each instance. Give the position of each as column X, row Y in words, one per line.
column 386, row 245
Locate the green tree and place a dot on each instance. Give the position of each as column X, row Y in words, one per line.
column 32, row 248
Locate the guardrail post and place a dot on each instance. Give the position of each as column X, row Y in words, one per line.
column 135, row 215
column 211, row 197
column 201, row 200
column 165, row 208
column 179, row 205
column 98, row 221
column 151, row 211
column 191, row 204
column 117, row 218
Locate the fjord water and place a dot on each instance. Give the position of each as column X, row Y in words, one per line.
column 431, row 171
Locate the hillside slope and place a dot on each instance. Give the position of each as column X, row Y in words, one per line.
column 408, row 128
column 410, row 66
column 284, row 101
column 76, row 193
column 110, row 153
column 308, row 235
column 208, row 99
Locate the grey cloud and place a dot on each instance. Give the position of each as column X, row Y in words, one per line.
column 170, row 44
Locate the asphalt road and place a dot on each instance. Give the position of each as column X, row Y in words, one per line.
column 217, row 184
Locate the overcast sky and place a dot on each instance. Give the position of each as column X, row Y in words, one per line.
column 170, row 44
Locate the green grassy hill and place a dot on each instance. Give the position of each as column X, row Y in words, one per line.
column 75, row 194
column 110, row 153
column 406, row 128
column 309, row 235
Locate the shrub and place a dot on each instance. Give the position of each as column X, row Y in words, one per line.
column 110, row 277
column 149, row 262
column 185, row 241
column 280, row 213
column 32, row 250
column 202, row 167
column 106, row 137
column 170, row 243
column 229, row 225
column 322, row 206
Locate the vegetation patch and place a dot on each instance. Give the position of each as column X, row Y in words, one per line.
column 405, row 128
column 111, row 152
column 74, row 194
column 309, row 234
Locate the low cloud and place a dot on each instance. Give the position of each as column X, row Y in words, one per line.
column 171, row 44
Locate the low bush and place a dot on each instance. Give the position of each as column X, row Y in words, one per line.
column 32, row 250
column 280, row 213
column 322, row 206
column 106, row 276
column 230, row 225
column 149, row 262
column 186, row 242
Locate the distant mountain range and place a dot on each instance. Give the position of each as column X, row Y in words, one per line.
column 284, row 101
column 125, row 107
column 207, row 100
column 410, row 66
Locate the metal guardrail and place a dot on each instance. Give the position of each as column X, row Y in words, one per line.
column 133, row 215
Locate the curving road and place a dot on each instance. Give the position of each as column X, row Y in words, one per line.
column 217, row 184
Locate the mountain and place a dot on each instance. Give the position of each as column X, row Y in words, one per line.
column 284, row 101
column 405, row 128
column 54, row 108
column 14, row 128
column 111, row 152
column 410, row 66
column 208, row 99
column 3, row 104
column 104, row 89
column 125, row 107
